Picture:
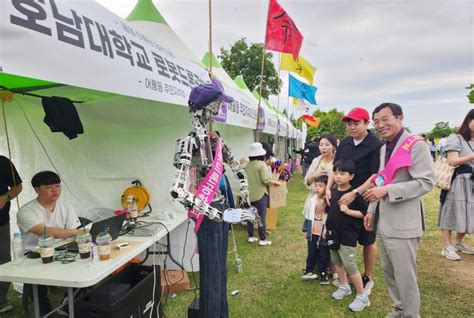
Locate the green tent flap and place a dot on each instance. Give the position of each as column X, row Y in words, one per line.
column 239, row 80
column 145, row 10
column 215, row 62
column 15, row 82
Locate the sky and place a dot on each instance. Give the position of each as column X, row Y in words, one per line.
column 416, row 53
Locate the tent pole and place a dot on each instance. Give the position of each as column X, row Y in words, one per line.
column 210, row 52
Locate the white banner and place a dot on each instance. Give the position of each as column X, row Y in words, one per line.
column 270, row 124
column 80, row 43
column 241, row 112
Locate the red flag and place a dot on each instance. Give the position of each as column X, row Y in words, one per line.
column 282, row 33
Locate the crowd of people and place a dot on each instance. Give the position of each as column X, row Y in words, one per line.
column 369, row 189
column 362, row 190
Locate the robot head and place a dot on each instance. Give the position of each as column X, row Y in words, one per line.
column 208, row 97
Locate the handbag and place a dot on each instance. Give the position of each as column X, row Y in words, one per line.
column 443, row 173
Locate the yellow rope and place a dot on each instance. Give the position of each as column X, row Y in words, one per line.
column 7, row 96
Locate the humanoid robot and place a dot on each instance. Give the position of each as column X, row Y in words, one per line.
column 199, row 159
column 195, row 155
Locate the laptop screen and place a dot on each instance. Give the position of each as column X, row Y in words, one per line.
column 113, row 225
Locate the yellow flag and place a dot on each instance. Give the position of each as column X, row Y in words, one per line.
column 300, row 66
column 297, row 104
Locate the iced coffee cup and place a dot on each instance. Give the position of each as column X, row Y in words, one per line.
column 104, row 243
column 46, row 245
column 84, row 244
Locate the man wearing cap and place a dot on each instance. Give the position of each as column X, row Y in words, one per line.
column 363, row 148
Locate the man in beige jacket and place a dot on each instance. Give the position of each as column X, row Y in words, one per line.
column 396, row 211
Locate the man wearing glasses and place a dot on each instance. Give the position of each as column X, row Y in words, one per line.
column 46, row 212
column 396, row 210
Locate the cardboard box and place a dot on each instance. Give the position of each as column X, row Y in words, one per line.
column 173, row 281
column 277, row 196
column 272, row 219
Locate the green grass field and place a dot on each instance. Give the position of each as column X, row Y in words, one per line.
column 270, row 284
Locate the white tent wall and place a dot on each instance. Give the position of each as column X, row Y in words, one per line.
column 125, row 139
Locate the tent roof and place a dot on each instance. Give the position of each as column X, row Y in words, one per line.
column 145, row 10
column 21, row 83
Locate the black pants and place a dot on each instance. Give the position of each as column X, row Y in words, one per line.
column 317, row 256
column 212, row 245
column 5, row 257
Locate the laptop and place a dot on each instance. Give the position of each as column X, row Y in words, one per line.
column 112, row 224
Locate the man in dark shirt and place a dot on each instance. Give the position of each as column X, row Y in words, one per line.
column 310, row 151
column 363, row 148
column 10, row 187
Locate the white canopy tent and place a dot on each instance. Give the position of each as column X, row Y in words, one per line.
column 132, row 84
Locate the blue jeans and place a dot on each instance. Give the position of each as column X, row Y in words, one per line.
column 317, row 256
column 261, row 206
column 212, row 244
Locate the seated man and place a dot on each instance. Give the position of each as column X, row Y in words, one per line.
column 46, row 212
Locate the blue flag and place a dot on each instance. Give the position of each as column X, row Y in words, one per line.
column 302, row 90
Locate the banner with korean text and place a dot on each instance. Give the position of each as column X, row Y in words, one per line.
column 80, row 43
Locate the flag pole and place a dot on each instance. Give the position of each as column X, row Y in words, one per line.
column 210, row 36
column 278, row 105
column 260, row 93
column 210, row 51
column 261, row 76
column 288, row 116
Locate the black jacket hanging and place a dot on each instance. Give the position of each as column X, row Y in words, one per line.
column 61, row 116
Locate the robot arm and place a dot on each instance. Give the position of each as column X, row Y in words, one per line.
column 249, row 213
column 240, row 173
column 178, row 192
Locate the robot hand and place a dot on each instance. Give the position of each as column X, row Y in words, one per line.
column 242, row 215
column 191, row 202
column 251, row 215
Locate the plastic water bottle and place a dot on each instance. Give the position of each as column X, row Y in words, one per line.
column 132, row 208
column 238, row 264
column 17, row 248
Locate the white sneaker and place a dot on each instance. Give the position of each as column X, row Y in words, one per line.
column 368, row 284
column 450, row 253
column 463, row 248
column 359, row 303
column 252, row 239
column 336, row 282
column 341, row 292
column 265, row 243
column 5, row 307
column 309, row 276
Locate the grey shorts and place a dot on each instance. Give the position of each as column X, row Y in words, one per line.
column 345, row 256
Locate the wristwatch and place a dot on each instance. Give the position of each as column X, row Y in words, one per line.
column 356, row 193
